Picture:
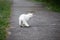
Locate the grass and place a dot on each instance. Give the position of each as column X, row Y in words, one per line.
column 5, row 9
column 50, row 4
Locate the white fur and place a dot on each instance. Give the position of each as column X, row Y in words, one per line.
column 23, row 18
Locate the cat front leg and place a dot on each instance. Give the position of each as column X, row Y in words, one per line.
column 25, row 23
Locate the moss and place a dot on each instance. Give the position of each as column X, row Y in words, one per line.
column 5, row 9
column 51, row 4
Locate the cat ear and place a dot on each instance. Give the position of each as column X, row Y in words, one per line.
column 31, row 11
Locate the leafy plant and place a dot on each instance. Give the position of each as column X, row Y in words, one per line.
column 5, row 7
column 51, row 4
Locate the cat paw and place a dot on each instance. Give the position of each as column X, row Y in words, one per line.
column 27, row 26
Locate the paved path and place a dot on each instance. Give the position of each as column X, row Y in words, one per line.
column 45, row 25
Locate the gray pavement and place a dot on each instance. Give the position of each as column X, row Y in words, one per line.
column 44, row 26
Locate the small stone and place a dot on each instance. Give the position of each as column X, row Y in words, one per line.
column 9, row 33
column 53, row 24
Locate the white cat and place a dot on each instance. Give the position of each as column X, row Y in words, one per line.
column 23, row 18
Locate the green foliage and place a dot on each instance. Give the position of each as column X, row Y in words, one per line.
column 52, row 4
column 4, row 17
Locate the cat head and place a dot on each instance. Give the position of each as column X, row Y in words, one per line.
column 30, row 14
